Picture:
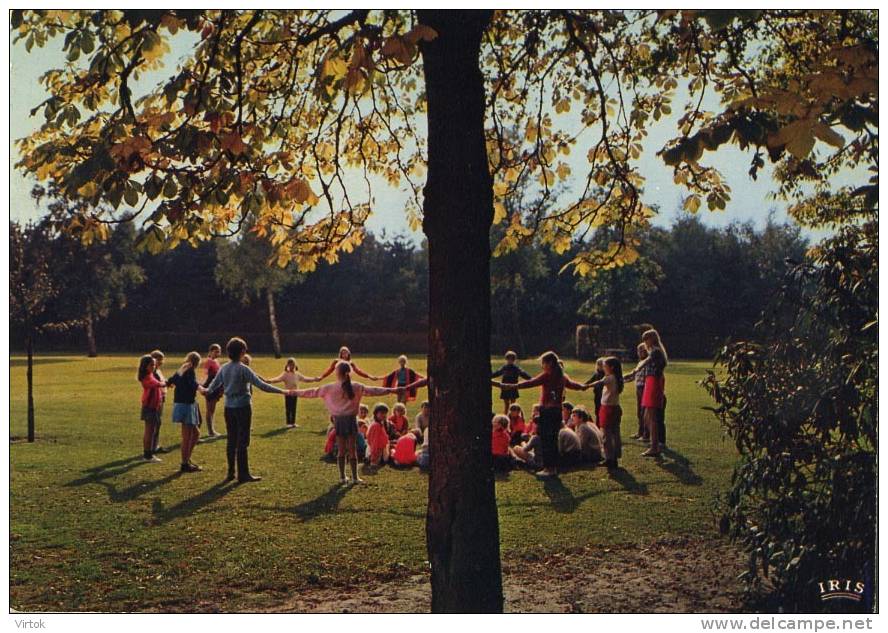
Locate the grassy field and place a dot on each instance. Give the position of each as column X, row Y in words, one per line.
column 95, row 528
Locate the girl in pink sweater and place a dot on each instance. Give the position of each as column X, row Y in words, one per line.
column 342, row 399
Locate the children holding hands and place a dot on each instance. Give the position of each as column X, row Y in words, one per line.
column 290, row 377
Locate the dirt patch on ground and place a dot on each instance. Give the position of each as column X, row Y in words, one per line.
column 669, row 576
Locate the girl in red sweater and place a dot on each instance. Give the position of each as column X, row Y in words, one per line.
column 152, row 401
column 517, row 425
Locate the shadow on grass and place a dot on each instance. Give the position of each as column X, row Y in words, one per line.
column 278, row 431
column 679, row 466
column 101, row 475
column 327, row 503
column 560, row 496
column 628, row 481
column 191, row 505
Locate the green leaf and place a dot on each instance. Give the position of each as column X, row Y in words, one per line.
column 153, row 187
column 87, row 43
column 170, row 188
column 130, row 195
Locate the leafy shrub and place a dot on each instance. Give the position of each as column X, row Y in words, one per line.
column 801, row 404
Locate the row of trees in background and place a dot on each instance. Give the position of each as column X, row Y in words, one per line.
column 699, row 285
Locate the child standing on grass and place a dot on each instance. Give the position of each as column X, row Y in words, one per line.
column 185, row 410
column 158, row 357
column 596, row 386
column 402, row 377
column 510, row 373
column 378, row 436
column 642, row 433
column 610, row 413
column 342, row 399
column 552, row 382
column 152, row 401
column 653, row 399
column 291, row 377
column 346, row 355
column 237, row 379
column 211, row 365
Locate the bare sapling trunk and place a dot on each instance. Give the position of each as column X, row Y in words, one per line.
column 90, row 336
column 31, row 423
column 272, row 318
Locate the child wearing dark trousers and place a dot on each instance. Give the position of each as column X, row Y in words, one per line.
column 236, row 378
column 552, row 382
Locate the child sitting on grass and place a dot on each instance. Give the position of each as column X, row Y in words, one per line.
column 517, row 425
column 363, row 419
column 534, row 419
column 421, row 421
column 398, row 421
column 404, row 454
column 500, row 439
column 378, row 436
column 588, row 434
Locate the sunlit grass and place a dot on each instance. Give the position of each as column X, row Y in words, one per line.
column 94, row 528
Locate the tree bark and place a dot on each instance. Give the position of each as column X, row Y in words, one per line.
column 461, row 523
column 272, row 317
column 90, row 336
column 31, row 423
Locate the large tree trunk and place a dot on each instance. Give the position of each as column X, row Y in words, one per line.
column 31, row 424
column 272, row 317
column 90, row 336
column 461, row 524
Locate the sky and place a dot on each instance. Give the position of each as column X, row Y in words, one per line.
column 751, row 200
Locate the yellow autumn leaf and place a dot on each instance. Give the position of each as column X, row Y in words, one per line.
column 499, row 212
column 88, row 190
column 692, row 203
column 334, row 67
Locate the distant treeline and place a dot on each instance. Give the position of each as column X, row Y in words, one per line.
column 697, row 285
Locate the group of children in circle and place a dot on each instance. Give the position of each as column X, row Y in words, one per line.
column 557, row 434
column 560, row 435
column 236, row 380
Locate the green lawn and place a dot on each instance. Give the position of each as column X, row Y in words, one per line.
column 95, row 528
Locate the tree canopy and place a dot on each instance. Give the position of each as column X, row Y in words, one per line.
column 274, row 109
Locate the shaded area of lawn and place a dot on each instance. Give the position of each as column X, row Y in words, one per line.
column 95, row 528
